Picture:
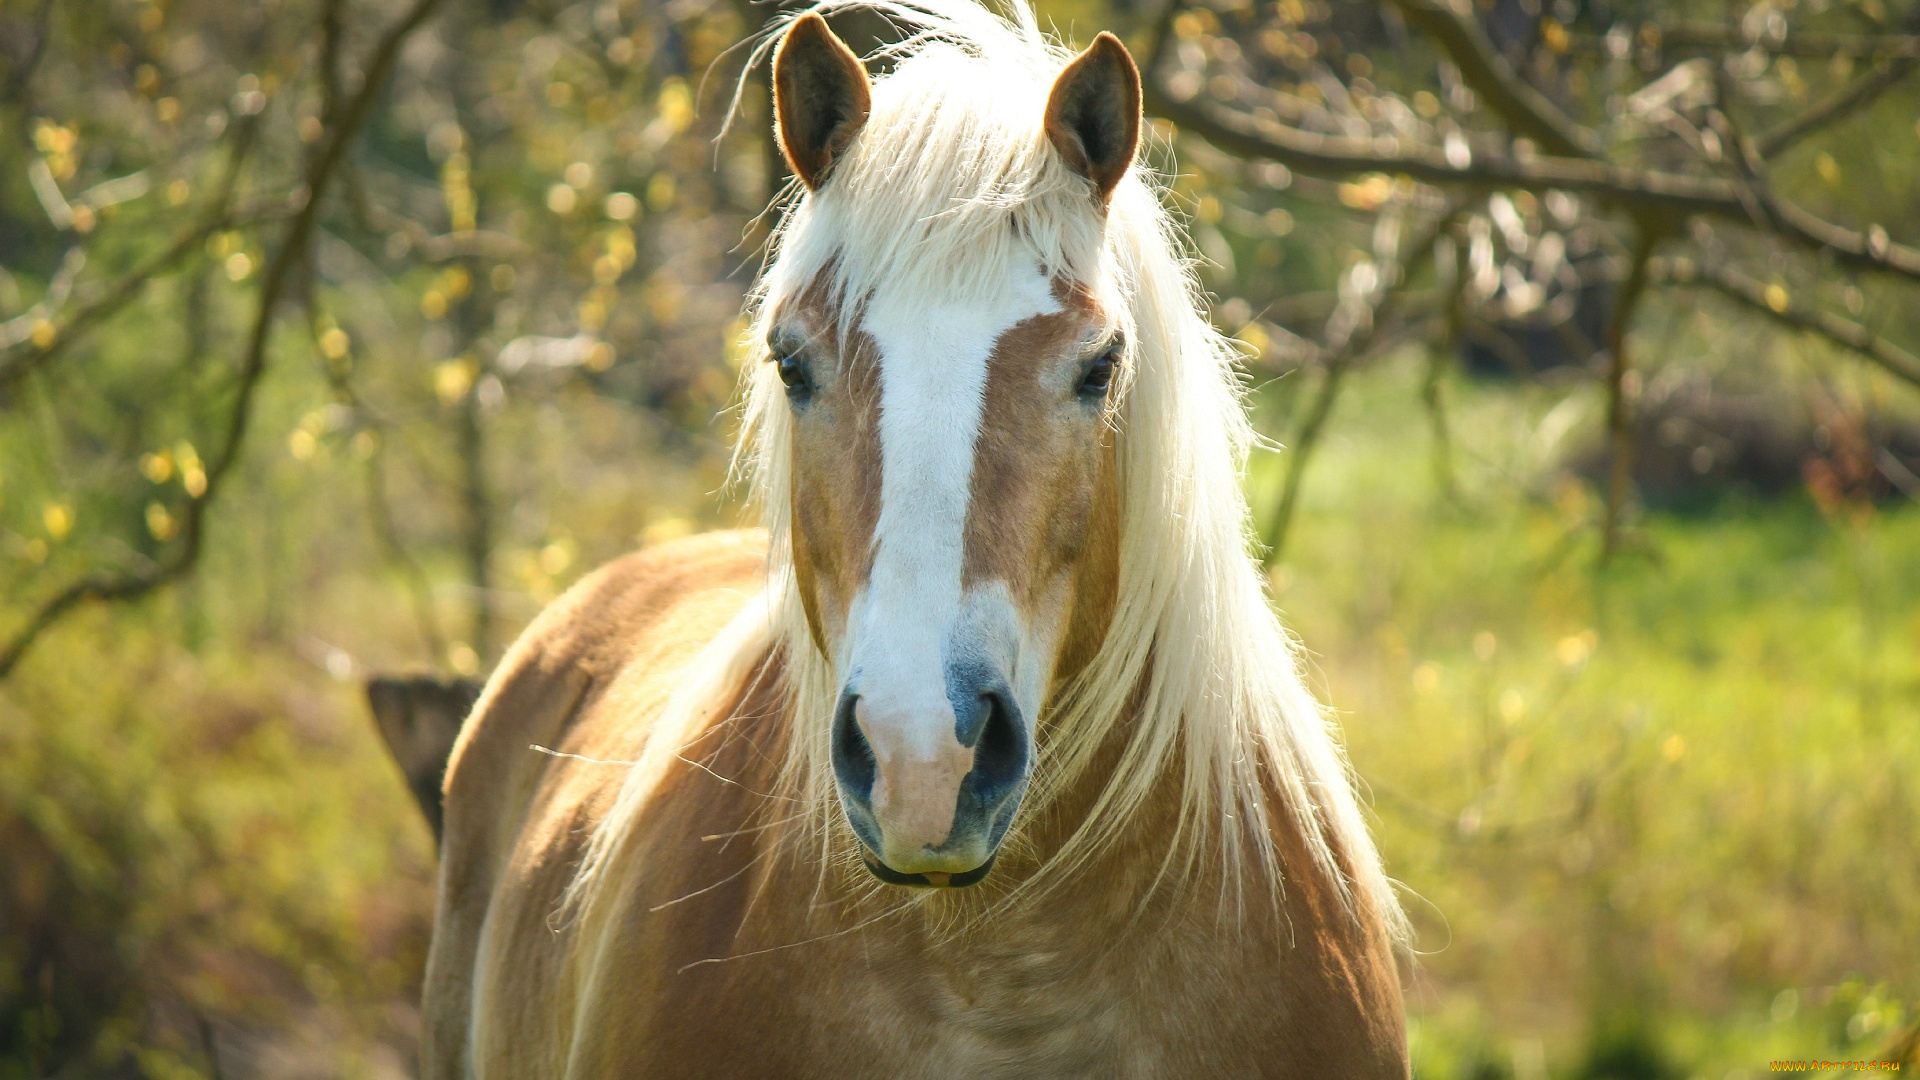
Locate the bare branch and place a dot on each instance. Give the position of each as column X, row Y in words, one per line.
column 20, row 80
column 1718, row 38
column 109, row 586
column 1452, row 263
column 1525, row 109
column 1841, row 104
column 117, row 296
column 1644, row 192
column 1619, row 411
column 1356, row 330
column 219, row 216
column 1776, row 303
column 386, row 530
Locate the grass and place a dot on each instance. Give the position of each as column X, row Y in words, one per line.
column 1653, row 821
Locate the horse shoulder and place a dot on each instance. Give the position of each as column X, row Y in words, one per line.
column 565, row 660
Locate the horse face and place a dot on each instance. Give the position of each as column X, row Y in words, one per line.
column 953, row 497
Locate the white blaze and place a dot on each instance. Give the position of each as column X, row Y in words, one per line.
column 933, row 377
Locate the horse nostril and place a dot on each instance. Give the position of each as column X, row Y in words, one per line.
column 853, row 761
column 1000, row 757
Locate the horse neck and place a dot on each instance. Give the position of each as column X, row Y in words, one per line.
column 1155, row 851
column 1137, row 847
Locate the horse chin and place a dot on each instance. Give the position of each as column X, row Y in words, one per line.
column 927, row 880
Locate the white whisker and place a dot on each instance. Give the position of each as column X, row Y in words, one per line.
column 707, row 889
column 703, row 767
column 842, row 932
column 550, row 752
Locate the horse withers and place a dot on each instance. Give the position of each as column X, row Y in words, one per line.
column 987, row 756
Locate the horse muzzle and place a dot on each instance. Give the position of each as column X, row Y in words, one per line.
column 932, row 797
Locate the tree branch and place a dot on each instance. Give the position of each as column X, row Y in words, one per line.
column 1354, row 332
column 1526, row 110
column 1684, row 36
column 1647, row 235
column 109, row 586
column 1839, row 105
column 1643, row 192
column 19, row 80
column 1440, row 357
column 1778, row 305
column 386, row 531
column 219, row 217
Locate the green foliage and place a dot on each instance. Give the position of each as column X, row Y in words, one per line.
column 1655, row 820
column 197, row 845
column 1643, row 815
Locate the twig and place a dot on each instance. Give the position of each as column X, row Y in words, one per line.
column 1777, row 304
column 1843, row 102
column 19, row 81
column 1525, row 109
column 386, row 531
column 1440, row 357
column 477, row 501
column 108, row 586
column 220, row 216
column 1619, row 410
column 1355, row 332
column 1685, row 36
column 1642, row 192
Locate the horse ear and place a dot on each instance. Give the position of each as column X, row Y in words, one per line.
column 1093, row 113
column 820, row 96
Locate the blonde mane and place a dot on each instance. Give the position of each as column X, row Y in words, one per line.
column 951, row 167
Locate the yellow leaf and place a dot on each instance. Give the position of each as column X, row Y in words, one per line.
column 1367, row 193
column 676, row 105
column 1554, row 35
column 660, row 192
column 462, row 658
column 1513, row 705
column 1254, row 337
column 452, row 380
column 621, row 206
column 157, row 467
column 159, row 522
column 1674, row 748
column 1574, row 651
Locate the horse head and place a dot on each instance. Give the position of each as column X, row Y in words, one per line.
column 949, row 339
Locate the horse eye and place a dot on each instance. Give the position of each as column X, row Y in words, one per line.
column 793, row 374
column 1099, row 377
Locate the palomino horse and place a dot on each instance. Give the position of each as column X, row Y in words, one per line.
column 1001, row 632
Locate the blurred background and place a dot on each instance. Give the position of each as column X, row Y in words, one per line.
column 338, row 336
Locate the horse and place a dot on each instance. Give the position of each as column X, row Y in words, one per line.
column 985, row 755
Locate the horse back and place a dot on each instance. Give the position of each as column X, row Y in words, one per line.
column 625, row 630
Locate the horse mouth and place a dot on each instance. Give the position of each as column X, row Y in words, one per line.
column 927, row 880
